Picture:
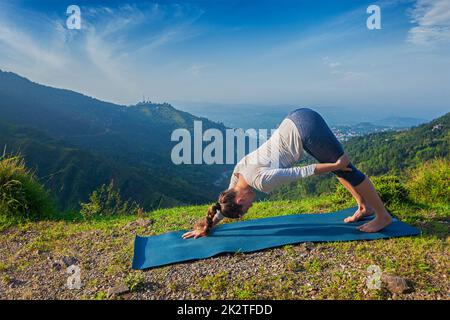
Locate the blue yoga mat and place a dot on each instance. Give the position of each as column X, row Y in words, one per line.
column 257, row 234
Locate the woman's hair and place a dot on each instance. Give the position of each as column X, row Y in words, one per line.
column 226, row 205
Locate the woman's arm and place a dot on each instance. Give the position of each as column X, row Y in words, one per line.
column 196, row 233
column 340, row 164
column 272, row 179
column 325, row 167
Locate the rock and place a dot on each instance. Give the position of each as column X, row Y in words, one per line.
column 68, row 261
column 305, row 248
column 117, row 290
column 15, row 283
column 396, row 284
column 56, row 265
column 64, row 262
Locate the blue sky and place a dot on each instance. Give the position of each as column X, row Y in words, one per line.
column 315, row 53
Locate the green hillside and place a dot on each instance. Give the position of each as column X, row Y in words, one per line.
column 392, row 152
column 71, row 174
column 76, row 142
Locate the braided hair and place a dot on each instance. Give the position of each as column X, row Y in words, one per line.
column 226, row 205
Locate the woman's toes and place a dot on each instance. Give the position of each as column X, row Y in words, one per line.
column 355, row 217
column 348, row 219
column 362, row 227
column 376, row 225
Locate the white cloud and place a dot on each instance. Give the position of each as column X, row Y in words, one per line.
column 196, row 69
column 336, row 69
column 432, row 19
column 20, row 44
column 111, row 57
column 332, row 64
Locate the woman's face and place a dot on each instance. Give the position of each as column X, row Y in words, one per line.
column 245, row 198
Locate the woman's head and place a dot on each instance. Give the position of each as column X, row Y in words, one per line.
column 232, row 203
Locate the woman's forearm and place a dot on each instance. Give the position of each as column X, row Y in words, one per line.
column 325, row 167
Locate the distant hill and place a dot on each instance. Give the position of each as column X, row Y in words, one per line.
column 131, row 141
column 402, row 122
column 76, row 143
column 70, row 173
column 392, row 152
column 269, row 116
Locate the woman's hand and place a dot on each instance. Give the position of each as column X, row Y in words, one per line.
column 194, row 233
column 343, row 162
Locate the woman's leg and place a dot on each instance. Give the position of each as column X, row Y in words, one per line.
column 364, row 209
column 320, row 142
column 382, row 217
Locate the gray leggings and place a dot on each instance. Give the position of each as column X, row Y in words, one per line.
column 320, row 142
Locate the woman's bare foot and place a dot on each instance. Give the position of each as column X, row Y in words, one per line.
column 377, row 224
column 359, row 214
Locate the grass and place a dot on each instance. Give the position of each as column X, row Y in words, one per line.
column 104, row 247
column 216, row 284
column 314, row 265
column 21, row 195
column 134, row 281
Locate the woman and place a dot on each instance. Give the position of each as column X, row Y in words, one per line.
column 302, row 129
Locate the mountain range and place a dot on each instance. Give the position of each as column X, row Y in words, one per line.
column 75, row 143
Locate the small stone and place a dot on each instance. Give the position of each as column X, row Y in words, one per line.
column 57, row 265
column 117, row 290
column 64, row 262
column 305, row 248
column 68, row 261
column 396, row 284
column 14, row 283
